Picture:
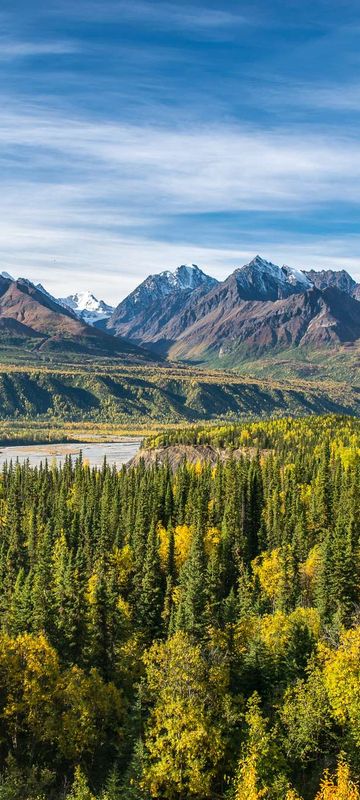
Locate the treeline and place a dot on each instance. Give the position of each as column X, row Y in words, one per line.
column 281, row 435
column 188, row 635
column 160, row 395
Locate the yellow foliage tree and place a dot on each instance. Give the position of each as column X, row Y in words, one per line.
column 339, row 786
column 29, row 673
column 211, row 540
column 262, row 762
column 90, row 708
column 182, row 542
column 269, row 571
column 309, row 572
column 183, row 537
column 80, row 788
column 342, row 681
column 75, row 710
column 163, row 545
column 184, row 734
column 277, row 630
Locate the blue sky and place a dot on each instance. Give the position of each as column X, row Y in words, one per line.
column 137, row 135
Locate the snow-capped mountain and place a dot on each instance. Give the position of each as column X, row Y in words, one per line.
column 260, row 305
column 187, row 277
column 185, row 312
column 263, row 280
column 84, row 305
column 87, row 307
column 144, row 311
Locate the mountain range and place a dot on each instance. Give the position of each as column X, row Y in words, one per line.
column 31, row 319
column 187, row 315
column 258, row 308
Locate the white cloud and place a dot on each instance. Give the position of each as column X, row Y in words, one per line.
column 317, row 96
column 200, row 170
column 112, row 265
column 166, row 15
column 11, row 49
column 85, row 200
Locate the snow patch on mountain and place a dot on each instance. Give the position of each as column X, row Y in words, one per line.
column 190, row 276
column 263, row 280
column 87, row 307
column 187, row 277
column 296, row 277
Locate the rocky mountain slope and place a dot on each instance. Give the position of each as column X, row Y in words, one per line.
column 159, row 299
column 313, row 318
column 31, row 317
column 340, row 279
column 261, row 308
column 258, row 308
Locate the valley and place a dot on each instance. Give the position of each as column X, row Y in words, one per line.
column 143, row 396
column 182, row 347
column 179, row 400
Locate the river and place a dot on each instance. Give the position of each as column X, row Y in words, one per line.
column 117, row 453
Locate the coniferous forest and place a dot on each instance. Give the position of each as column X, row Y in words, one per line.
column 187, row 634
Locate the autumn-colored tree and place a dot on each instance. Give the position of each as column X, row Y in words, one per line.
column 342, row 681
column 189, row 632
column 261, row 768
column 185, row 734
column 339, row 786
column 80, row 788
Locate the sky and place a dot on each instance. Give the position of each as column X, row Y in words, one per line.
column 136, row 135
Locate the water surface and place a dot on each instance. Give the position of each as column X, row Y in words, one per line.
column 117, row 453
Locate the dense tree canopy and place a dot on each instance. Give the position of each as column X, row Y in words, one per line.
column 188, row 634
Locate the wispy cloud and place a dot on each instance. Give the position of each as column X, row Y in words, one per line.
column 113, row 264
column 11, row 49
column 182, row 15
column 87, row 198
column 318, row 97
column 188, row 17
column 205, row 169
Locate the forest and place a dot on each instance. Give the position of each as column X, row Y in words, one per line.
column 167, row 394
column 190, row 634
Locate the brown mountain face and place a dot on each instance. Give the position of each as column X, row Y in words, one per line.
column 259, row 307
column 151, row 320
column 185, row 315
column 339, row 279
column 27, row 313
column 144, row 314
column 313, row 318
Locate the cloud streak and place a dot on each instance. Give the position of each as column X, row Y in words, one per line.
column 87, row 198
column 11, row 49
column 164, row 15
column 206, row 169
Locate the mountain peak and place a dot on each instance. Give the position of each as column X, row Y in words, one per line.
column 146, row 303
column 258, row 261
column 190, row 276
column 87, row 307
column 338, row 278
column 263, row 280
column 186, row 277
